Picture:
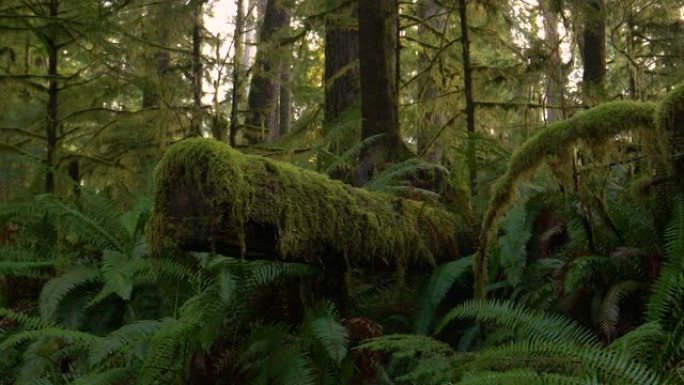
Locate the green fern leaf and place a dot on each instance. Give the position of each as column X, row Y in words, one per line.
column 431, row 294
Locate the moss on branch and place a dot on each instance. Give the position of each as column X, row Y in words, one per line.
column 211, row 197
column 594, row 127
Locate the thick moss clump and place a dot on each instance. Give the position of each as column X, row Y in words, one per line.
column 211, row 197
column 670, row 121
column 594, row 127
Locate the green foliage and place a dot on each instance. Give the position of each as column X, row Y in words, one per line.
column 435, row 289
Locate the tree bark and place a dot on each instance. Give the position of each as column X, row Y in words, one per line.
column 52, row 123
column 157, row 31
column 594, row 51
column 468, row 89
column 284, row 103
column 378, row 44
column 342, row 89
column 433, row 21
column 236, row 93
column 263, row 91
column 196, row 113
column 555, row 78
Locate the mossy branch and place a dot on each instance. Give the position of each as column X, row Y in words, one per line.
column 594, row 126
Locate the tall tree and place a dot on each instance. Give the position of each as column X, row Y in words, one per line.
column 52, row 123
column 238, row 61
column 196, row 69
column 555, row 77
column 341, row 62
column 263, row 91
column 378, row 45
column 468, row 90
column 594, row 51
column 433, row 23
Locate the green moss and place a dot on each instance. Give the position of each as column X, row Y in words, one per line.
column 670, row 123
column 310, row 217
column 594, row 127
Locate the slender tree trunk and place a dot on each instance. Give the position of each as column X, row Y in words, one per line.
column 594, row 51
column 468, row 88
column 264, row 91
column 52, row 104
column 236, row 93
column 555, row 78
column 433, row 24
column 196, row 114
column 342, row 89
column 157, row 31
column 285, row 102
column 378, row 26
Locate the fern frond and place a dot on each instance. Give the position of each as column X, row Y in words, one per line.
column 524, row 377
column 323, row 327
column 24, row 320
column 431, row 294
column 609, row 314
column 526, row 323
column 110, row 377
column 610, row 366
column 122, row 338
column 70, row 336
column 166, row 355
column 583, row 268
column 668, row 290
column 55, row 290
column 385, row 179
column 640, row 343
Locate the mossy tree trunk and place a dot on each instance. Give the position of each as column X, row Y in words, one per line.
column 236, row 92
column 555, row 76
column 378, row 62
column 213, row 198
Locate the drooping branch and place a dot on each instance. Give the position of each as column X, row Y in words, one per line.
column 595, row 126
column 213, row 198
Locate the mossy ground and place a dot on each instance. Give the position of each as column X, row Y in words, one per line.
column 314, row 219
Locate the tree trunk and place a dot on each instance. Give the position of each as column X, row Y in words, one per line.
column 196, row 113
column 213, row 198
column 52, row 123
column 594, row 52
column 263, row 91
column 236, row 93
column 433, row 24
column 378, row 32
column 468, row 89
column 555, row 78
column 284, row 104
column 342, row 89
column 157, row 31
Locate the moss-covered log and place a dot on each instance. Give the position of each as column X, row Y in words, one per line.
column 212, row 198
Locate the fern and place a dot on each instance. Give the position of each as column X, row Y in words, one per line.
column 383, row 180
column 524, row 377
column 668, row 290
column 58, row 288
column 526, row 323
column 431, row 294
column 323, row 327
column 611, row 367
column 110, row 377
column 609, row 314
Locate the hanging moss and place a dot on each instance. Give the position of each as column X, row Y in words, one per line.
column 670, row 122
column 211, row 197
column 594, row 127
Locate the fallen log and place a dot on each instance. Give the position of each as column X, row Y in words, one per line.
column 211, row 197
